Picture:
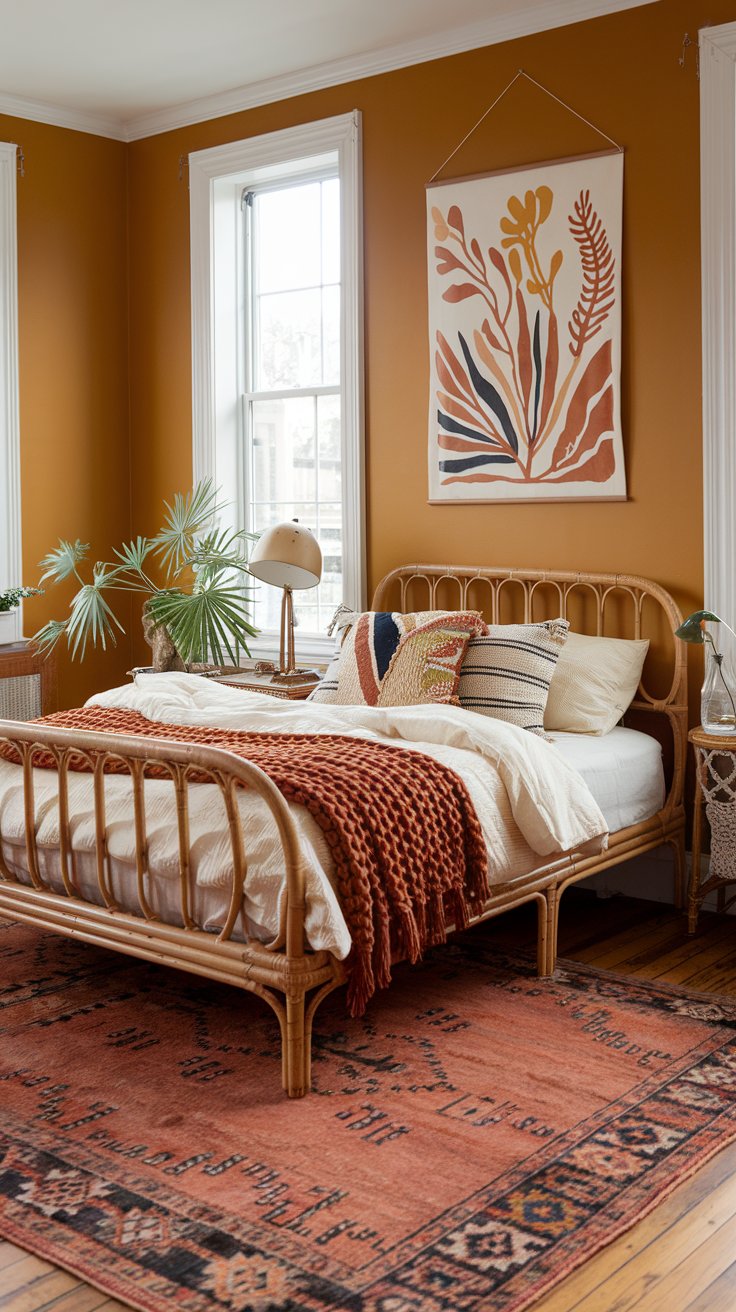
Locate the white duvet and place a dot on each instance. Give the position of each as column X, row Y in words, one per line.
column 530, row 802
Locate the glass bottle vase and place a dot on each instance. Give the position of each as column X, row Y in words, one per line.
column 717, row 696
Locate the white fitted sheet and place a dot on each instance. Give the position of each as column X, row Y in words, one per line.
column 530, row 805
column 623, row 770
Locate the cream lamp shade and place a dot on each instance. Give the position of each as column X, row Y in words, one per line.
column 287, row 556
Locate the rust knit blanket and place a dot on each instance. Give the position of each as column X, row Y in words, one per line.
column 404, row 836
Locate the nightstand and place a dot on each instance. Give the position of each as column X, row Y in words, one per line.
column 27, row 682
column 249, row 681
column 715, row 784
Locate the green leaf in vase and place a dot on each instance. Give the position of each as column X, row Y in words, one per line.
column 691, row 631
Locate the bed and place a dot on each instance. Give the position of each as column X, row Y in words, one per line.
column 136, row 865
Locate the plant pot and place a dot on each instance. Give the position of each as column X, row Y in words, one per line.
column 164, row 656
column 9, row 630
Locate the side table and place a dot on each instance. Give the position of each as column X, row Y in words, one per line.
column 250, row 681
column 27, row 682
column 715, row 785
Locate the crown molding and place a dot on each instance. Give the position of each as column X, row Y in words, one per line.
column 38, row 111
column 541, row 17
column 492, row 31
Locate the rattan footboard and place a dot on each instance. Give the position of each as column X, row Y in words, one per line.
column 290, row 978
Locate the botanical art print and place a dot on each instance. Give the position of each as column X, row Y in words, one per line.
column 525, row 334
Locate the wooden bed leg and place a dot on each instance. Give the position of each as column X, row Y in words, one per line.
column 680, row 872
column 297, row 1065
column 553, row 907
column 542, row 931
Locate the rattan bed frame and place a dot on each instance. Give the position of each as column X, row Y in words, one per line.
column 292, row 979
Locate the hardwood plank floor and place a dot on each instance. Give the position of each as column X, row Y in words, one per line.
column 677, row 1259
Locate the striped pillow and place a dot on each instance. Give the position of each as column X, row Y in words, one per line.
column 507, row 673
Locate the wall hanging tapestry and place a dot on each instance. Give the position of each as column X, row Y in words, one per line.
column 524, row 272
column 472, row 1139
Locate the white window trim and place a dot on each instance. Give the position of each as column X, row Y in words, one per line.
column 11, row 563
column 215, row 373
column 718, row 282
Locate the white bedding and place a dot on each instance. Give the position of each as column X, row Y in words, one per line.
column 530, row 802
column 623, row 770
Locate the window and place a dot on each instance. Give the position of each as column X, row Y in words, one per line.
column 10, row 545
column 277, row 343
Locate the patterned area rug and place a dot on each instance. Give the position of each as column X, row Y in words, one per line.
column 468, row 1143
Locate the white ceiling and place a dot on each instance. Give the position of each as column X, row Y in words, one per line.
column 127, row 68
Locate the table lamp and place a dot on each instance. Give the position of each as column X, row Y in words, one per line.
column 287, row 556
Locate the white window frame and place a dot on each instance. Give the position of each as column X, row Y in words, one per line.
column 11, row 563
column 718, row 283
column 215, row 182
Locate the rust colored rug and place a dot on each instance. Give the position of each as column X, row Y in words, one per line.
column 471, row 1140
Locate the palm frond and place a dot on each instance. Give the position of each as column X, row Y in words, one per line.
column 63, row 560
column 132, row 555
column 189, row 515
column 47, row 637
column 91, row 619
column 211, row 620
column 217, row 554
column 224, row 544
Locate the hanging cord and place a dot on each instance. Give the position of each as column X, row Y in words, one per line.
column 687, row 43
column 522, row 73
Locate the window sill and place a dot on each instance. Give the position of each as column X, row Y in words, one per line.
column 311, row 650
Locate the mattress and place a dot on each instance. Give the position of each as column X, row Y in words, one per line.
column 623, row 770
column 531, row 806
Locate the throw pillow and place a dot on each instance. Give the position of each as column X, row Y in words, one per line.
column 595, row 681
column 507, row 673
column 389, row 659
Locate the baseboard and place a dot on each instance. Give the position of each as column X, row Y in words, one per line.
column 649, row 877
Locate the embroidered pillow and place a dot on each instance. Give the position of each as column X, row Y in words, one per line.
column 506, row 673
column 594, row 683
column 389, row 659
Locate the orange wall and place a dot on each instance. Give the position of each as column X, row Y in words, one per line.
column 73, row 365
column 621, row 71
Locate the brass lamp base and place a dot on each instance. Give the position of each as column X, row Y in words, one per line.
column 287, row 672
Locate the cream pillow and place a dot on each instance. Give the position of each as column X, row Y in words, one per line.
column 594, row 682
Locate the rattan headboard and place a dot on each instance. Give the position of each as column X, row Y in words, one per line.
column 614, row 605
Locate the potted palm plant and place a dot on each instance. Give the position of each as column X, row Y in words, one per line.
column 191, row 576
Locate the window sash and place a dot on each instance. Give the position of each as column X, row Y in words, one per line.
column 252, row 362
column 216, row 185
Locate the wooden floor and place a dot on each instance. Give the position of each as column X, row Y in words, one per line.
column 682, row 1257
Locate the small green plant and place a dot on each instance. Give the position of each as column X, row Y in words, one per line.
column 202, row 603
column 11, row 596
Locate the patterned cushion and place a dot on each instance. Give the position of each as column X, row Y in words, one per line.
column 506, row 674
column 389, row 659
